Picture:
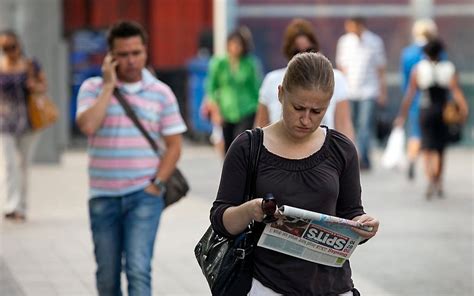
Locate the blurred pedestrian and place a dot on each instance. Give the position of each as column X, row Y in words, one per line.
column 300, row 37
column 422, row 31
column 361, row 57
column 210, row 111
column 232, row 87
column 19, row 75
column 437, row 80
column 298, row 158
column 127, row 179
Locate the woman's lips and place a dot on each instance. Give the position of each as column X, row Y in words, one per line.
column 304, row 129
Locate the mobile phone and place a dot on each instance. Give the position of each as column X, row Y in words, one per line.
column 113, row 59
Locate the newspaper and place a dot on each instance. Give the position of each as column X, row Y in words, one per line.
column 311, row 236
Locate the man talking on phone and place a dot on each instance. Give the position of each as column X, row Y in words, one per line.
column 126, row 177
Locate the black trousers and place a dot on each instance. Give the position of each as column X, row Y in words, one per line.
column 232, row 130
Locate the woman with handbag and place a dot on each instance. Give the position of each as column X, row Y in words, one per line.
column 302, row 164
column 423, row 30
column 17, row 139
column 436, row 79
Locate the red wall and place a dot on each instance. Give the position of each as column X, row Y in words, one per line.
column 174, row 29
column 75, row 14
column 173, row 25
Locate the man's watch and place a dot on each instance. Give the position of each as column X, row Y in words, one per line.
column 159, row 184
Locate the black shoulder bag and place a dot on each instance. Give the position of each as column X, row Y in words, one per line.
column 177, row 186
column 226, row 262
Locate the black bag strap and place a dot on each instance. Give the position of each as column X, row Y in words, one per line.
column 133, row 117
column 256, row 139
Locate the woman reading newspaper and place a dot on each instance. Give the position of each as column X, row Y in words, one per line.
column 303, row 165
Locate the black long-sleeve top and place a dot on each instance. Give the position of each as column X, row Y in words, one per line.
column 327, row 181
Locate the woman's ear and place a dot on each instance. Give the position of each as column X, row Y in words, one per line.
column 280, row 93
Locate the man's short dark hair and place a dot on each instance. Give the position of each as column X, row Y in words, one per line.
column 358, row 19
column 126, row 29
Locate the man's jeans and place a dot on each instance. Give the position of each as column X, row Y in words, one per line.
column 124, row 229
column 363, row 119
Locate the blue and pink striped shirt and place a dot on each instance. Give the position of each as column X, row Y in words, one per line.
column 121, row 160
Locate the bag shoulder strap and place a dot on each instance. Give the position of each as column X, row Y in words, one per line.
column 31, row 69
column 256, row 141
column 131, row 114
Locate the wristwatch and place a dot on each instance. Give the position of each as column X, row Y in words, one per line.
column 159, row 184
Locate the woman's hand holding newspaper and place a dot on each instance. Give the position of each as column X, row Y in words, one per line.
column 366, row 220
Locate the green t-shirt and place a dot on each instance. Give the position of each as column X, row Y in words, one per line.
column 235, row 92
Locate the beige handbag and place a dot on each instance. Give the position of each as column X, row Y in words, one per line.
column 451, row 113
column 42, row 111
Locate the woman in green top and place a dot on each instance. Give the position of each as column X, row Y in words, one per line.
column 232, row 87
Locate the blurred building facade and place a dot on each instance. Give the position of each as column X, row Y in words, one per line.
column 173, row 25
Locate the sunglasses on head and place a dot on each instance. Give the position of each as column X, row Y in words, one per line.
column 309, row 49
column 269, row 206
column 9, row 47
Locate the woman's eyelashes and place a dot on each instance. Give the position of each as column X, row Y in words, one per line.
column 314, row 111
column 298, row 108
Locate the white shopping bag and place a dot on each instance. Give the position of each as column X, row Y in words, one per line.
column 394, row 154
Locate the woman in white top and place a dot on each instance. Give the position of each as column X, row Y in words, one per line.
column 437, row 81
column 300, row 37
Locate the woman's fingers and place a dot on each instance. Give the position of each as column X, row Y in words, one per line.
column 368, row 221
column 255, row 209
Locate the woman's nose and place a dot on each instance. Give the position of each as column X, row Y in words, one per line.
column 305, row 118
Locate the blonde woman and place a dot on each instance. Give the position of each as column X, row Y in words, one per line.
column 303, row 164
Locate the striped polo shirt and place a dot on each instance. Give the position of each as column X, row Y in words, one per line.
column 121, row 160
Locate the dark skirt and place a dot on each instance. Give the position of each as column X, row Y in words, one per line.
column 433, row 130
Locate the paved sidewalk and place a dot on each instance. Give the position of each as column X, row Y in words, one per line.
column 420, row 250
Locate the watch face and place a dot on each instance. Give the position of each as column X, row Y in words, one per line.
column 158, row 183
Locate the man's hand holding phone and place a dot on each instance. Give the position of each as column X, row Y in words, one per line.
column 109, row 74
column 90, row 120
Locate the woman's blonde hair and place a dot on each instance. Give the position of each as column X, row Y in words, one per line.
column 310, row 71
